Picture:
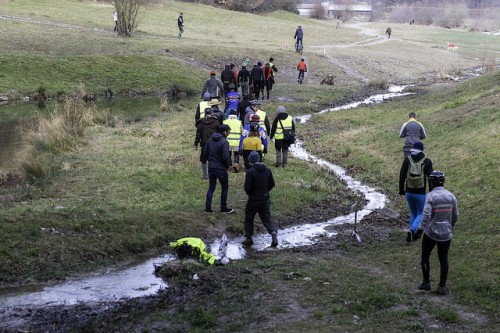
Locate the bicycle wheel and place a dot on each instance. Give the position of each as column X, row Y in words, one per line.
column 301, row 48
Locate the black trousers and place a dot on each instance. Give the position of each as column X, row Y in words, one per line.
column 263, row 207
column 442, row 248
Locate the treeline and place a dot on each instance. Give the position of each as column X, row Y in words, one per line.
column 475, row 4
column 254, row 6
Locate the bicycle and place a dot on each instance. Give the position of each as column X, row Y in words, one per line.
column 299, row 47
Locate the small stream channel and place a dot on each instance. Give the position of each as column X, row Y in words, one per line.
column 139, row 280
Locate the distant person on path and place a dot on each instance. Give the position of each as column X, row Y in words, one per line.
column 388, row 32
column 302, row 68
column 244, row 80
column 257, row 76
column 200, row 110
column 412, row 131
column 180, row 24
column 280, row 123
column 274, row 71
column 207, row 126
column 214, row 86
column 439, row 219
column 299, row 35
column 216, row 153
column 413, row 177
column 115, row 18
column 259, row 182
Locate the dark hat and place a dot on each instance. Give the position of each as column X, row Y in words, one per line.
column 418, row 145
column 254, row 157
column 223, row 128
column 232, row 111
column 208, row 111
column 271, row 59
column 259, row 63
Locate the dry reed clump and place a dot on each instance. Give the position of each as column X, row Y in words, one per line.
column 164, row 106
column 379, row 84
column 60, row 131
column 488, row 63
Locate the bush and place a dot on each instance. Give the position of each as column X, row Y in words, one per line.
column 318, row 12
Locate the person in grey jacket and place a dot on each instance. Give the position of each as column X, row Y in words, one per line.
column 439, row 218
column 412, row 131
column 214, row 86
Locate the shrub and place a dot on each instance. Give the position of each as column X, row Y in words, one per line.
column 318, row 12
column 379, row 84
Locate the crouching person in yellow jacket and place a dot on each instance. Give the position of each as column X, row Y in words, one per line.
column 192, row 247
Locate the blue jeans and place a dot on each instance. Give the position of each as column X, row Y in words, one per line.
column 416, row 204
column 223, row 177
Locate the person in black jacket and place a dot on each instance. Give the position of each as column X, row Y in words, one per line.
column 257, row 76
column 258, row 182
column 216, row 153
column 204, row 130
column 227, row 77
column 244, row 80
column 413, row 178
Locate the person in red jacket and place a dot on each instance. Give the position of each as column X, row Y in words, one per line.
column 302, row 68
column 268, row 75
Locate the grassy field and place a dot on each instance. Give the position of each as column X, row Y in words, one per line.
column 133, row 183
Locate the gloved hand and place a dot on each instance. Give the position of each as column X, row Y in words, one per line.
column 264, row 151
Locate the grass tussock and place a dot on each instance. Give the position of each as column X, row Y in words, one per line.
column 379, row 84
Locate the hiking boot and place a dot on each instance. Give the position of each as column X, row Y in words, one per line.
column 247, row 241
column 425, row 286
column 274, row 241
column 441, row 291
column 227, row 210
column 409, row 236
column 417, row 234
column 208, row 211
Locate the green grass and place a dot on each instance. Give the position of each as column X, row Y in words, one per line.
column 134, row 182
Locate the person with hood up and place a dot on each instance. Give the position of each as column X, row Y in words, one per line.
column 206, row 127
column 214, row 86
column 413, row 177
column 257, row 76
column 218, row 113
column 200, row 110
column 439, row 219
column 281, row 122
column 259, row 182
column 216, row 153
column 242, row 107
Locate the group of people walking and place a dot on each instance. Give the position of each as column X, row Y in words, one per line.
column 432, row 215
column 240, row 129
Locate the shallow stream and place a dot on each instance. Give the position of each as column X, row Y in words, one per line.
column 139, row 280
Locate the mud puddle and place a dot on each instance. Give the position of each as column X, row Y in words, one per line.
column 139, row 280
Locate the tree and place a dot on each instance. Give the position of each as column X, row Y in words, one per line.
column 127, row 16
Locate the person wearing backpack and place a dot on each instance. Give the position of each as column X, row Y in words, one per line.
column 281, row 123
column 413, row 178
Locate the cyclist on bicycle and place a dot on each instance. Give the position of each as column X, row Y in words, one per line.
column 302, row 68
column 299, row 34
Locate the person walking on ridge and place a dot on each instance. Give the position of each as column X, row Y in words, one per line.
column 180, row 24
column 439, row 219
column 259, row 182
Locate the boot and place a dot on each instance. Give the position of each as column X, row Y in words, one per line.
column 247, row 241
column 278, row 158
column 204, row 168
column 274, row 237
column 285, row 158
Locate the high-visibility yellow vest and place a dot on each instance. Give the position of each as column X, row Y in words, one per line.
column 198, row 244
column 234, row 136
column 203, row 106
column 287, row 124
column 262, row 118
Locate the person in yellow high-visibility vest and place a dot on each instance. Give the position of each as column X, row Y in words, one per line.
column 234, row 138
column 192, row 247
column 200, row 110
column 282, row 122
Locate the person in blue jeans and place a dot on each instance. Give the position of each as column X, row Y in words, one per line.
column 413, row 179
column 216, row 153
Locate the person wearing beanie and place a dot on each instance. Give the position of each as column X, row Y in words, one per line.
column 413, row 177
column 259, row 182
column 282, row 124
column 214, row 87
column 216, row 153
column 200, row 109
column 412, row 131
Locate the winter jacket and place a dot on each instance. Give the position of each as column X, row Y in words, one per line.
column 258, row 182
column 246, row 131
column 218, row 113
column 281, row 116
column 244, row 75
column 299, row 34
column 440, row 214
column 412, row 131
column 257, row 74
column 214, row 87
column 216, row 152
column 415, row 155
column 227, row 76
column 301, row 66
column 204, row 130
